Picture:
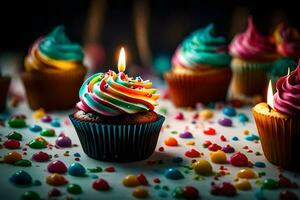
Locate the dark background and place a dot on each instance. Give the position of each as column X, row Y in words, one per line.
column 169, row 22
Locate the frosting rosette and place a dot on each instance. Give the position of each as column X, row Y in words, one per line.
column 287, row 97
column 112, row 94
column 55, row 51
column 252, row 45
column 287, row 39
column 202, row 47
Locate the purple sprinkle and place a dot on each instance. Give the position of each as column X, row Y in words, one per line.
column 228, row 149
column 186, row 134
column 225, row 122
column 47, row 119
column 63, row 141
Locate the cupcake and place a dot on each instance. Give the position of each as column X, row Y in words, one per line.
column 279, row 128
column 280, row 68
column 253, row 54
column 287, row 40
column 200, row 69
column 53, row 72
column 115, row 120
column 4, row 85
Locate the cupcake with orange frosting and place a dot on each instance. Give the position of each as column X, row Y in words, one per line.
column 54, row 72
column 115, row 120
column 278, row 122
column 253, row 54
column 287, row 40
column 200, row 69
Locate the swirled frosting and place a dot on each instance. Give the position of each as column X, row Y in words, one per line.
column 252, row 45
column 114, row 94
column 287, row 97
column 287, row 40
column 54, row 51
column 202, row 47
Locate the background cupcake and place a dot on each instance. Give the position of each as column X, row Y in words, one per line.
column 253, row 54
column 115, row 120
column 53, row 72
column 4, row 85
column 287, row 40
column 279, row 128
column 200, row 69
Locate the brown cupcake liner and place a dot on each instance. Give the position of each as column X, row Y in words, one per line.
column 187, row 90
column 4, row 86
column 280, row 139
column 55, row 90
column 250, row 79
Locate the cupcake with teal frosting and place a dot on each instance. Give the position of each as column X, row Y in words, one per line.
column 200, row 69
column 54, row 71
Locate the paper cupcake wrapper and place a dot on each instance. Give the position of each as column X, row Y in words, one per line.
column 118, row 143
column 280, row 139
column 250, row 78
column 187, row 90
column 4, row 85
column 53, row 91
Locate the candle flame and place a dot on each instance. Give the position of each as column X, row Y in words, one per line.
column 122, row 61
column 270, row 98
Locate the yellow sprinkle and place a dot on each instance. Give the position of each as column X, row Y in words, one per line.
column 202, row 167
column 246, row 132
column 246, row 173
column 206, row 114
column 190, row 143
column 243, row 184
column 218, row 157
column 140, row 192
column 38, row 114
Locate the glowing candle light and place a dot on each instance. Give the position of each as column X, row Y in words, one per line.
column 122, row 61
column 270, row 100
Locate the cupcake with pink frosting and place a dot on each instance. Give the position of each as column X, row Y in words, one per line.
column 279, row 124
column 287, row 40
column 253, row 54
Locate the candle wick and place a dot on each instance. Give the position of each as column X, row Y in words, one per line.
column 270, row 109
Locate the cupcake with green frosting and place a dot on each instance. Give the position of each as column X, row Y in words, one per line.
column 54, row 71
column 200, row 69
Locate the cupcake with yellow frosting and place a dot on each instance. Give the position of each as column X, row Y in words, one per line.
column 115, row 120
column 54, row 72
column 200, row 69
column 253, row 55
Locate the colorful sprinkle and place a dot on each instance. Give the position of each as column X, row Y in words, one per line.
column 12, row 144
column 63, row 141
column 223, row 189
column 46, row 119
column 130, row 181
column 190, row 192
column 205, row 114
column 40, row 156
column 186, row 134
column 209, row 131
column 225, row 122
column 57, row 166
column 243, row 184
column 15, row 136
column 21, row 178
column 218, row 157
column 56, row 179
column 173, row 173
column 214, row 147
column 179, row 116
column 287, row 195
column 55, row 123
column 74, row 189
column 101, row 185
column 38, row 143
column 30, row 195
column 193, row 153
column 252, row 137
column 202, row 167
column 38, row 114
column 48, row 133
column 54, row 192
column 171, row 141
column 35, row 128
column 243, row 118
column 228, row 149
column 23, row 163
column 76, row 169
column 12, row 157
column 17, row 122
column 229, row 111
column 239, row 159
column 246, row 174
column 142, row 179
column 140, row 192
column 270, row 184
column 177, row 160
column 260, row 164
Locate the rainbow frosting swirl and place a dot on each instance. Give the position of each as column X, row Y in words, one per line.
column 287, row 97
column 202, row 47
column 287, row 40
column 112, row 94
column 252, row 45
column 54, row 52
